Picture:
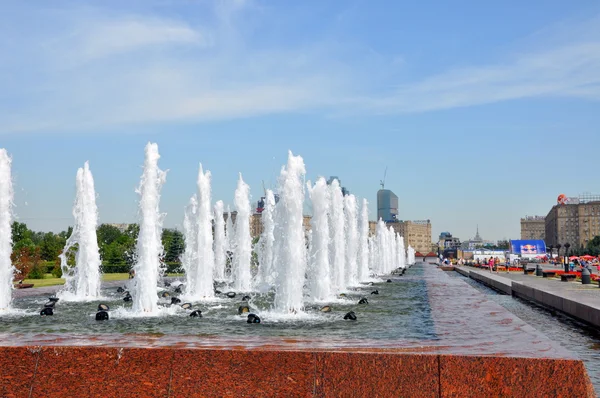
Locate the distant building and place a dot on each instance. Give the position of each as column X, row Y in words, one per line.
column 120, row 227
column 387, row 205
column 533, row 227
column 576, row 222
column 447, row 241
column 476, row 242
column 416, row 234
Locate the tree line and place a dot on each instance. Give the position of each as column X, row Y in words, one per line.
column 36, row 253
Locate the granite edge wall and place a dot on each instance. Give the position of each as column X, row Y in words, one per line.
column 50, row 371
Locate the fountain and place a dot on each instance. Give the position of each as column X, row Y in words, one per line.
column 337, row 250
column 189, row 258
column 418, row 313
column 265, row 276
column 363, row 243
column 230, row 244
column 290, row 242
column 149, row 246
column 381, row 250
column 220, row 242
column 83, row 281
column 319, row 280
column 410, row 257
column 242, row 256
column 6, row 203
column 351, row 221
column 199, row 279
column 401, row 252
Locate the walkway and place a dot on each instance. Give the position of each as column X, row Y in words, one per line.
column 573, row 298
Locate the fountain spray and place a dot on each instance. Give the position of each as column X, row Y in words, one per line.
column 6, row 203
column 83, row 281
column 149, row 244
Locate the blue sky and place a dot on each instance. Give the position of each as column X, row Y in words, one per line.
column 483, row 112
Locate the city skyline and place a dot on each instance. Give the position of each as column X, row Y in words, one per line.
column 477, row 124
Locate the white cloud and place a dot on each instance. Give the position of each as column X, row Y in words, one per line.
column 569, row 71
column 119, row 36
column 98, row 71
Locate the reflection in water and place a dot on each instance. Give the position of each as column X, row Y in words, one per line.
column 572, row 335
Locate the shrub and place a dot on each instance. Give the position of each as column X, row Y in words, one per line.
column 57, row 271
column 36, row 272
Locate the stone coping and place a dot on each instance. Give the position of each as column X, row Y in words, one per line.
column 171, row 372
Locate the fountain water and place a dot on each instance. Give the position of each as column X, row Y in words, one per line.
column 392, row 251
column 243, row 241
column 149, row 246
column 200, row 280
column 363, row 243
column 351, row 220
column 220, row 242
column 319, row 279
column 373, row 256
column 6, row 203
column 290, row 242
column 189, row 258
column 230, row 244
column 410, row 258
column 83, row 281
column 337, row 250
column 401, row 252
column 265, row 276
column 381, row 242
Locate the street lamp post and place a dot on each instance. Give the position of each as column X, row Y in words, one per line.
column 567, row 245
column 558, row 252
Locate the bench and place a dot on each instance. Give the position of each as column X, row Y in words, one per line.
column 567, row 277
column 546, row 274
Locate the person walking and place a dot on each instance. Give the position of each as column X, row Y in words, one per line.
column 491, row 263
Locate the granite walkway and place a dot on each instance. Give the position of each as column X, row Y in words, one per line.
column 573, row 298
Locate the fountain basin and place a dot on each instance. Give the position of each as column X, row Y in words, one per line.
column 462, row 345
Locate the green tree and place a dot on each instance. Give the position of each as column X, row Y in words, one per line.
column 51, row 246
column 173, row 243
column 107, row 234
column 21, row 236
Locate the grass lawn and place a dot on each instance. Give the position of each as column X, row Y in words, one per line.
column 50, row 280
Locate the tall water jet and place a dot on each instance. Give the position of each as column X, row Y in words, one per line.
column 266, row 273
column 394, row 249
column 363, row 242
column 289, row 238
column 242, row 256
column 392, row 252
column 373, row 256
column 337, row 250
column 351, row 220
column 410, row 257
column 381, row 242
column 83, row 281
column 220, row 241
column 318, row 277
column 230, row 244
column 401, row 252
column 149, row 246
column 200, row 280
column 189, row 258
column 6, row 203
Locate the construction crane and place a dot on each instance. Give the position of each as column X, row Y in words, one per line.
column 382, row 182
